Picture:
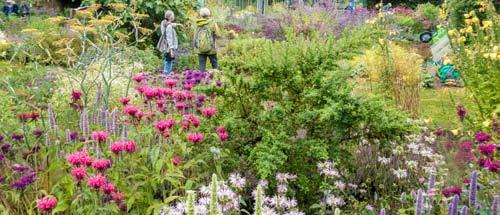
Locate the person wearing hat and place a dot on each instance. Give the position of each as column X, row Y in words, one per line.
column 10, row 7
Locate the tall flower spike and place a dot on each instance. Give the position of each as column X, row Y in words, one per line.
column 68, row 135
column 473, row 190
column 114, row 122
column 465, row 211
column 494, row 205
column 419, row 203
column 454, row 206
column 432, row 183
column 103, row 119
column 190, row 203
column 213, row 196
column 52, row 119
column 258, row 201
column 382, row 212
column 84, row 123
column 47, row 140
column 125, row 132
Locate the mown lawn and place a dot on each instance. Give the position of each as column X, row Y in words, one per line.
column 439, row 105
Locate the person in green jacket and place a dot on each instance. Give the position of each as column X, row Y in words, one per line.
column 206, row 35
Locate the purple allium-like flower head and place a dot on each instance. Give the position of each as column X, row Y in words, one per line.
column 482, row 137
column 5, row 147
column 461, row 112
column 38, row 132
column 17, row 137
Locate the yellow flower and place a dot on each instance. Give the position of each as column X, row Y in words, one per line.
column 56, row 19
column 468, row 21
column 461, row 39
column 452, row 33
column 455, row 132
column 381, row 15
column 118, row 6
column 427, row 121
column 381, row 41
column 83, row 13
column 486, row 123
column 475, row 20
column 486, row 55
column 469, row 29
column 29, row 30
column 487, row 24
column 100, row 22
column 495, row 48
column 493, row 56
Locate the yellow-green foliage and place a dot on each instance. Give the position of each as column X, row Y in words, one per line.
column 395, row 71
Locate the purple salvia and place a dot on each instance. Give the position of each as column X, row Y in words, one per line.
column 454, row 206
column 68, row 135
column 413, row 194
column 464, row 211
column 473, row 190
column 103, row 119
column 114, row 121
column 419, row 203
column 52, row 119
column 494, row 205
column 84, row 123
column 382, row 212
column 125, row 132
column 432, row 183
column 47, row 140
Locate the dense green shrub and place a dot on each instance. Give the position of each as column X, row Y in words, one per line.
column 299, row 107
column 428, row 11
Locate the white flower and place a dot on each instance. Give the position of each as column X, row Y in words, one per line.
column 400, row 173
column 384, row 160
column 237, row 181
column 340, row 185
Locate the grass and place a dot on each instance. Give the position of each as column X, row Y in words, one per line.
column 439, row 105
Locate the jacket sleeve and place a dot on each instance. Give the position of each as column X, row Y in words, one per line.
column 169, row 35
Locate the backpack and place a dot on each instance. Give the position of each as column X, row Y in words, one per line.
column 162, row 45
column 204, row 40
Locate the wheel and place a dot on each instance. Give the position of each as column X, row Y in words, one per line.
column 426, row 37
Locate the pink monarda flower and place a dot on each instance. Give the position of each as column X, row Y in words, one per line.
column 46, row 204
column 161, row 125
column 178, row 95
column 176, row 160
column 79, row 173
column 439, row 132
column 140, row 114
column 208, row 112
column 79, row 158
column 151, row 93
column 130, row 146
column 188, row 95
column 99, row 136
column 188, row 86
column 168, row 92
column 96, row 182
column 117, row 147
column 451, row 191
column 170, row 82
column 131, row 110
column 482, row 137
column 487, row 149
column 193, row 119
column 108, row 188
column 117, row 196
column 101, row 164
column 124, row 100
column 76, row 95
column 223, row 136
column 139, row 77
column 492, row 165
column 185, row 124
column 180, row 105
column 195, row 137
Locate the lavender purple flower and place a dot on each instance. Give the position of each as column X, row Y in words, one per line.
column 37, row 132
column 5, row 147
column 494, row 205
column 84, row 123
column 454, row 206
column 464, row 211
column 52, row 119
column 20, row 168
column 17, row 137
column 24, row 181
column 382, row 212
column 473, row 190
column 419, row 203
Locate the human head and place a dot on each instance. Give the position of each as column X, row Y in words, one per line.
column 204, row 12
column 10, row 2
column 169, row 15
